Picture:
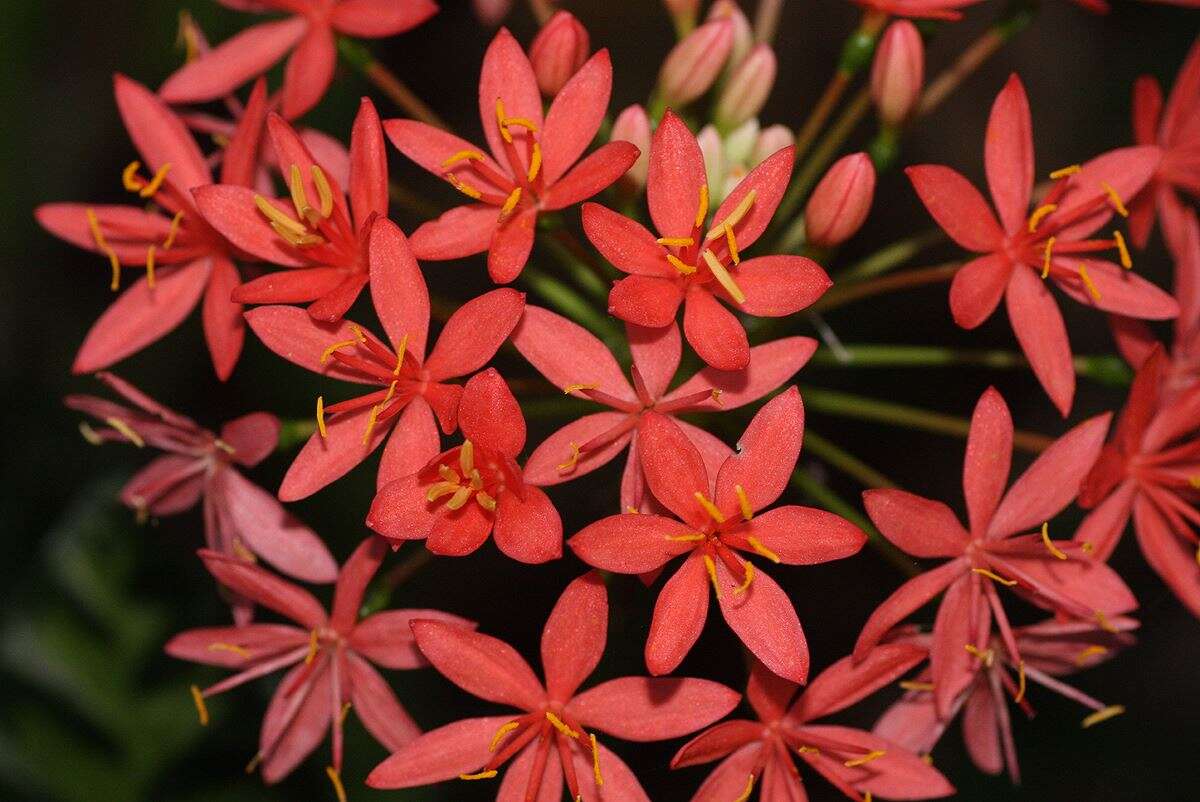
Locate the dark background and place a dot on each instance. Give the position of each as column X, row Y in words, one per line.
column 89, row 707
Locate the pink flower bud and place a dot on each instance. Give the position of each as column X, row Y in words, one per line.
column 772, row 139
column 694, row 63
column 743, row 32
column 633, row 125
column 898, row 72
column 747, row 89
column 840, row 203
column 491, row 12
column 558, row 51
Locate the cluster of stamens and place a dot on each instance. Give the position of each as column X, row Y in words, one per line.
column 311, row 225
column 526, row 170
column 461, row 485
column 685, row 254
column 144, row 188
column 381, row 365
column 515, row 735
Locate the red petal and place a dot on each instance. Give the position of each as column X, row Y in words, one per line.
column 439, row 755
column 308, row 72
column 224, row 327
column 507, row 75
column 291, row 286
column 780, row 783
column 908, row 598
column 766, row 455
column 776, row 286
column 988, row 458
column 325, row 459
column 574, row 636
column 1121, row 291
column 290, row 150
column 386, row 638
column 234, row 62
column 252, row 437
column 332, row 305
column 567, row 354
column 845, row 682
column 1104, row 525
column 481, row 665
column 956, row 206
column 713, row 331
column 398, row 288
column 631, row 543
column 1043, row 336
column 160, row 136
column 240, row 162
column 953, row 667
column 368, row 163
column 261, row 587
column 674, row 468
column 675, row 178
column 1126, row 170
column 652, row 708
column 1182, row 103
column 919, row 526
column 528, row 529
column 716, row 742
column 656, row 354
column 489, row 414
column 352, row 581
column 981, row 732
column 376, row 706
column 459, row 533
column 414, row 442
column 898, row 774
column 295, row 723
column 619, row 782
column 800, row 535
column 626, row 243
column 232, row 212
column 177, row 473
column 645, row 300
column 474, row 333
column 978, row 287
column 1176, row 419
column 254, row 639
column 575, row 115
column 729, row 778
column 519, row 778
column 764, row 619
column 432, row 147
column 400, row 511
column 771, row 364
column 769, row 694
column 139, row 229
column 292, row 334
column 511, row 243
column 1008, row 155
column 374, row 19
column 1169, row 555
column 543, row 469
column 462, row 231
column 679, row 615
column 600, row 169
column 769, row 180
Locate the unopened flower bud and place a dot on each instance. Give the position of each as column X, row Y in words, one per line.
column 694, row 63
column 491, row 12
column 840, row 203
column 633, row 125
column 743, row 32
column 772, row 139
column 744, row 95
column 558, row 51
column 898, row 72
column 713, row 150
column 683, row 12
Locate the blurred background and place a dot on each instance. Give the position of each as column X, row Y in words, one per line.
column 91, row 709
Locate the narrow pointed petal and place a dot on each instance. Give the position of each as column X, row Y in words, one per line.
column 919, row 526
column 845, row 682
column 1008, row 154
column 781, row 784
column 674, row 468
column 551, row 462
column 376, row 705
column 374, row 19
column 293, row 334
column 386, row 638
column 1043, row 336
column 953, row 666
column 956, row 206
column 717, row 742
column 368, row 164
column 598, row 170
column 1167, row 554
column 656, row 354
column 631, row 543
column 650, row 301
column 1104, row 525
column 771, row 365
column 481, row 665
column 679, row 615
column 253, row 641
column 575, row 115
column 293, row 728
column 489, row 414
column 224, row 327
column 728, row 779
column 776, row 286
column 800, row 535
column 160, row 136
column 232, row 212
column 988, row 458
column 765, row 621
column 252, row 437
column 439, row 755
column 980, row 731
column 511, row 244
column 978, row 287
column 179, row 473
column 508, row 76
column 619, row 781
column 518, row 777
column 139, row 228
column 768, row 180
column 528, row 529
column 574, row 636
column 653, row 708
column 1120, row 291
column 766, row 455
column 264, row 588
column 1173, row 421
column 325, row 459
column 305, row 285
column 234, row 62
column 398, row 288
column 331, row 306
column 908, row 598
column 308, row 72
column 240, row 162
column 714, row 332
column 675, row 179
column 626, row 243
column 898, row 774
column 769, row 694
column 352, row 581
column 432, row 148
column 567, row 354
column 1125, row 170
column 413, row 443
column 460, row 232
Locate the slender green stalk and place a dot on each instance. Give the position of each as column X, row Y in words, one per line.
column 847, row 463
column 294, row 432
column 891, row 256
column 380, row 595
column 571, row 304
column 578, row 261
column 360, row 58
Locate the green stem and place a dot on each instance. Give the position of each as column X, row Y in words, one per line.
column 380, row 596
column 360, row 58
column 1102, row 368
column 294, row 432
column 571, row 304
column 578, row 261
column 891, row 256
column 844, row 461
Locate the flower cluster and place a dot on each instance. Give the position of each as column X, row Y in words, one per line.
column 283, row 228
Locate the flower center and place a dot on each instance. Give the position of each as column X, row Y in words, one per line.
column 397, row 371
column 701, row 256
column 321, row 230
column 457, row 487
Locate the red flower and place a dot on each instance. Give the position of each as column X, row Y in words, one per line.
column 240, row 518
column 855, row 762
column 435, row 503
column 313, row 233
column 415, row 388
column 185, row 259
column 572, row 359
column 308, row 33
column 1048, row 650
column 1049, row 243
column 687, row 266
column 1151, row 470
column 918, row 9
column 711, row 518
column 553, row 739
column 527, row 172
column 332, row 655
column 1176, row 130
column 1057, row 575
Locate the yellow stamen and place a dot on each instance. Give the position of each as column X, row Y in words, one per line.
column 90, row 434
column 986, row 657
column 808, row 750
column 459, row 498
column 345, row 711
column 272, row 213
column 1046, row 257
column 702, row 209
column 535, row 162
column 1065, row 171
column 1123, row 250
column 312, row 648
column 463, row 187
column 253, row 764
column 400, row 355
column 722, row 275
column 874, row 754
column 324, row 191
column 150, row 266
column 909, row 685
column 336, row 780
column 129, row 177
column 476, row 479
column 1087, row 282
column 321, row 417
column 448, row 474
column 558, row 724
column 466, row 457
column 749, row 789
column 1112, row 711
column 676, row 242
column 683, row 267
column 1194, row 481
column 463, row 155
column 374, row 416
column 744, row 503
column 485, row 501
column 105, row 248
column 505, row 729
column 866, row 796
column 243, row 553
column 716, row 396
column 927, row 759
column 574, row 388
column 1008, row 583
column 572, row 461
column 328, row 352
column 510, row 202
column 221, row 444
column 1020, row 683
column 1087, row 547
column 631, row 510
column 1039, row 214
column 483, row 775
column 711, row 567
column 694, row 537
column 294, row 239
column 127, row 430
column 709, row 507
column 201, row 708
column 759, row 548
column 731, row 241
column 1091, row 651
column 500, row 121
column 1114, row 198
column 520, row 122
column 156, row 182
column 299, row 196
column 749, row 569
column 1050, row 547
column 440, row 489
column 229, row 647
column 1104, row 623
column 596, row 760
column 173, row 231
column 734, row 217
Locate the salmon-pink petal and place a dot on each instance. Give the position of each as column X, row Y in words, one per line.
column 675, row 178
column 1182, row 103
column 763, row 618
column 631, row 543
column 776, row 286
column 373, row 19
column 224, row 327
column 652, row 708
column 769, row 694
column 413, row 443
column 713, row 331
column 977, row 289
column 308, row 72
column 290, row 149
column 799, row 535
column 575, row 115
column 717, row 742
column 232, row 212
column 432, row 148
column 567, row 354
column 253, row 640
column 291, row 286
column 128, row 230
column 650, row 301
column 376, row 705
column 656, row 354
column 620, row 784
column 292, row 334
column 142, row 315
column 912, row 722
column 987, row 461
column 507, row 76
column 1134, row 339
column 398, row 288
column 846, row 682
column 1176, row 419
column 357, row 572
column 554, row 462
column 240, row 162
column 771, row 364
column 1125, row 170
column 679, row 615
column 252, row 437
column 439, row 755
column 1040, row 330
column 295, row 723
column 595, row 172
column 1146, row 109
column 461, row 532
column 780, row 783
column 160, row 136
column 234, row 62
column 956, row 206
column 519, row 778
column 329, row 152
column 332, row 305
column 386, row 637
column 1052, row 481
column 712, row 450
column 368, row 164
column 511, row 243
column 729, row 778
column 768, row 180
column 167, row 485
column 981, row 732
column 907, row 599
column 1008, row 154
column 626, row 243
column 897, row 774
column 675, row 470
column 574, row 636
column 1104, row 525
column 462, row 231
column 264, row 588
column 324, row 459
column 489, row 415
column 528, row 529
column 1076, row 587
column 1117, row 290
column 481, row 665
column 766, row 455
column 953, row 666
column 919, row 526
column 1169, row 555
column 400, row 510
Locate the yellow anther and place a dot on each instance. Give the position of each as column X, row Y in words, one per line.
column 500, row 121
column 558, row 724
column 1114, row 198
column 505, row 729
column 201, row 708
column 1089, row 652
column 595, row 760
column 1020, row 683
column 294, row 239
column 253, row 764
column 371, row 419
column 986, row 657
column 632, row 510
column 173, row 231
column 1103, row 621
column 150, row 266
column 722, row 275
column 716, row 396
column 463, row 187
column 733, row 218
column 103, row 246
column 510, row 202
column 1039, row 214
column 129, row 177
column 476, row 479
column 324, row 190
column 744, row 796
column 229, row 647
column 572, row 461
column 282, row 221
column 1046, row 257
column 574, row 388
column 336, row 781
column 867, row 796
column 463, row 155
column 1112, row 711
column 1065, row 171
column 744, row 503
column 1087, row 282
column 676, row 242
column 1008, row 583
column 126, row 430
column 90, row 434
column 299, row 196
column 874, row 754
column 1123, row 250
column 759, row 548
column 694, row 537
column 1194, row 481
column 440, row 489
column 391, row 391
column 156, row 182
column 466, row 457
column 520, row 122
column 749, row 569
column 483, row 775
column 447, row 473
column 683, row 267
column 702, row 208
column 485, row 501
column 313, row 645
column 345, row 711
column 328, row 352
column 808, row 750
column 731, row 241
column 1087, row 547
column 709, row 507
column 535, row 162
column 400, row 355
column 910, row 685
column 244, row 554
column 1050, row 547
column 711, row 567
column 926, row 758
column 460, row 497
column 321, row 417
